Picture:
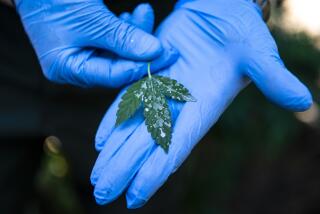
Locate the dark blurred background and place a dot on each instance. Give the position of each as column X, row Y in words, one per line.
column 257, row 159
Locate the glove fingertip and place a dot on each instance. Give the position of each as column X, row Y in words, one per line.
column 167, row 58
column 125, row 16
column 143, row 17
column 301, row 101
column 131, row 42
column 144, row 8
column 98, row 143
column 150, row 47
column 93, row 178
column 277, row 83
column 101, row 201
column 134, row 202
column 103, row 196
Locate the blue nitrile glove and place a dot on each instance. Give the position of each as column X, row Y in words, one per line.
column 81, row 42
column 222, row 44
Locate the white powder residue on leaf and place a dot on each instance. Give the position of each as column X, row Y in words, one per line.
column 151, row 93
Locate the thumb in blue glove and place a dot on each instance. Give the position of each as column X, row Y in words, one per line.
column 232, row 43
column 82, row 43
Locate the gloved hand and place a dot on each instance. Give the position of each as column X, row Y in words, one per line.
column 223, row 45
column 81, row 42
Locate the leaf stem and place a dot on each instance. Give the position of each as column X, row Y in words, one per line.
column 149, row 70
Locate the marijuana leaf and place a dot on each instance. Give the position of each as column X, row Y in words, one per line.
column 157, row 114
column 171, row 88
column 151, row 92
column 130, row 102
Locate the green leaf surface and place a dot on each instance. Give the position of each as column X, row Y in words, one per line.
column 130, row 102
column 157, row 114
column 171, row 88
column 151, row 93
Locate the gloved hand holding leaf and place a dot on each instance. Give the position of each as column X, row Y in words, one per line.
column 81, row 42
column 223, row 45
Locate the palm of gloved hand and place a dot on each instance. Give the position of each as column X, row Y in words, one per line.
column 81, row 42
column 221, row 43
